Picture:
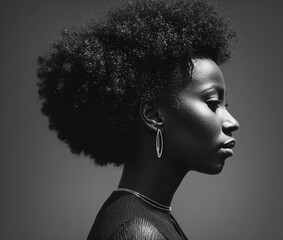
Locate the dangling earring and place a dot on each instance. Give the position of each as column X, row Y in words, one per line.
column 159, row 143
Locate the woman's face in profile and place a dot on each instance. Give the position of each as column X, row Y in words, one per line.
column 198, row 134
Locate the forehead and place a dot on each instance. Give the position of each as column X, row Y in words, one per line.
column 206, row 74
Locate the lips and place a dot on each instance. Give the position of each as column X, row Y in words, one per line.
column 227, row 147
column 229, row 144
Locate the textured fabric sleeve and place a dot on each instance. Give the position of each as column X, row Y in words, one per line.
column 137, row 229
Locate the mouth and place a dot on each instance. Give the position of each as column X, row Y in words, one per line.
column 227, row 151
column 229, row 144
column 227, row 147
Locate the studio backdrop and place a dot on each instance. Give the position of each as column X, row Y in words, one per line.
column 48, row 193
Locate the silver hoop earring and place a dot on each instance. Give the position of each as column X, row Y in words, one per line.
column 159, row 143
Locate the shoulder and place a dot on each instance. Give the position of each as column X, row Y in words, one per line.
column 137, row 229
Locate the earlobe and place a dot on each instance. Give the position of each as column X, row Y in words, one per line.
column 150, row 115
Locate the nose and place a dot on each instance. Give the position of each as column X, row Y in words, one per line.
column 230, row 124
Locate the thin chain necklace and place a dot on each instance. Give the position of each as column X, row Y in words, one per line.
column 146, row 199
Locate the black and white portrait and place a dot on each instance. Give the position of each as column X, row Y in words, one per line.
column 143, row 119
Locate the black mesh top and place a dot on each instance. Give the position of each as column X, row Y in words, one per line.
column 125, row 216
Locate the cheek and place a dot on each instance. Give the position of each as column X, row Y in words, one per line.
column 192, row 129
column 198, row 119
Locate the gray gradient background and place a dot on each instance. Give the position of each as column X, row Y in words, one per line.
column 48, row 193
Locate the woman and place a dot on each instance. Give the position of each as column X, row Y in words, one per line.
column 142, row 88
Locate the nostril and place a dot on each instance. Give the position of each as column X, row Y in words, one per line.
column 234, row 128
column 230, row 126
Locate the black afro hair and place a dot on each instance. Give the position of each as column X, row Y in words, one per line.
column 93, row 78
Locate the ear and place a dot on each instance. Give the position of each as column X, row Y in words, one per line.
column 150, row 115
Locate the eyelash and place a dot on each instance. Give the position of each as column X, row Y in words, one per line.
column 214, row 104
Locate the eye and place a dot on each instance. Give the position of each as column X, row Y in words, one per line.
column 213, row 104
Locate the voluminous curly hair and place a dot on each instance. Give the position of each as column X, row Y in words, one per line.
column 93, row 78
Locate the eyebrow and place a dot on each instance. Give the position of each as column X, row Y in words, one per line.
column 217, row 88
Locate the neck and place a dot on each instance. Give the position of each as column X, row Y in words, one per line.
column 153, row 177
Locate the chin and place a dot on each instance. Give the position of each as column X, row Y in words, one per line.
column 215, row 171
column 212, row 170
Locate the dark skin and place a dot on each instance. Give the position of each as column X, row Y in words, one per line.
column 195, row 136
column 143, row 172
